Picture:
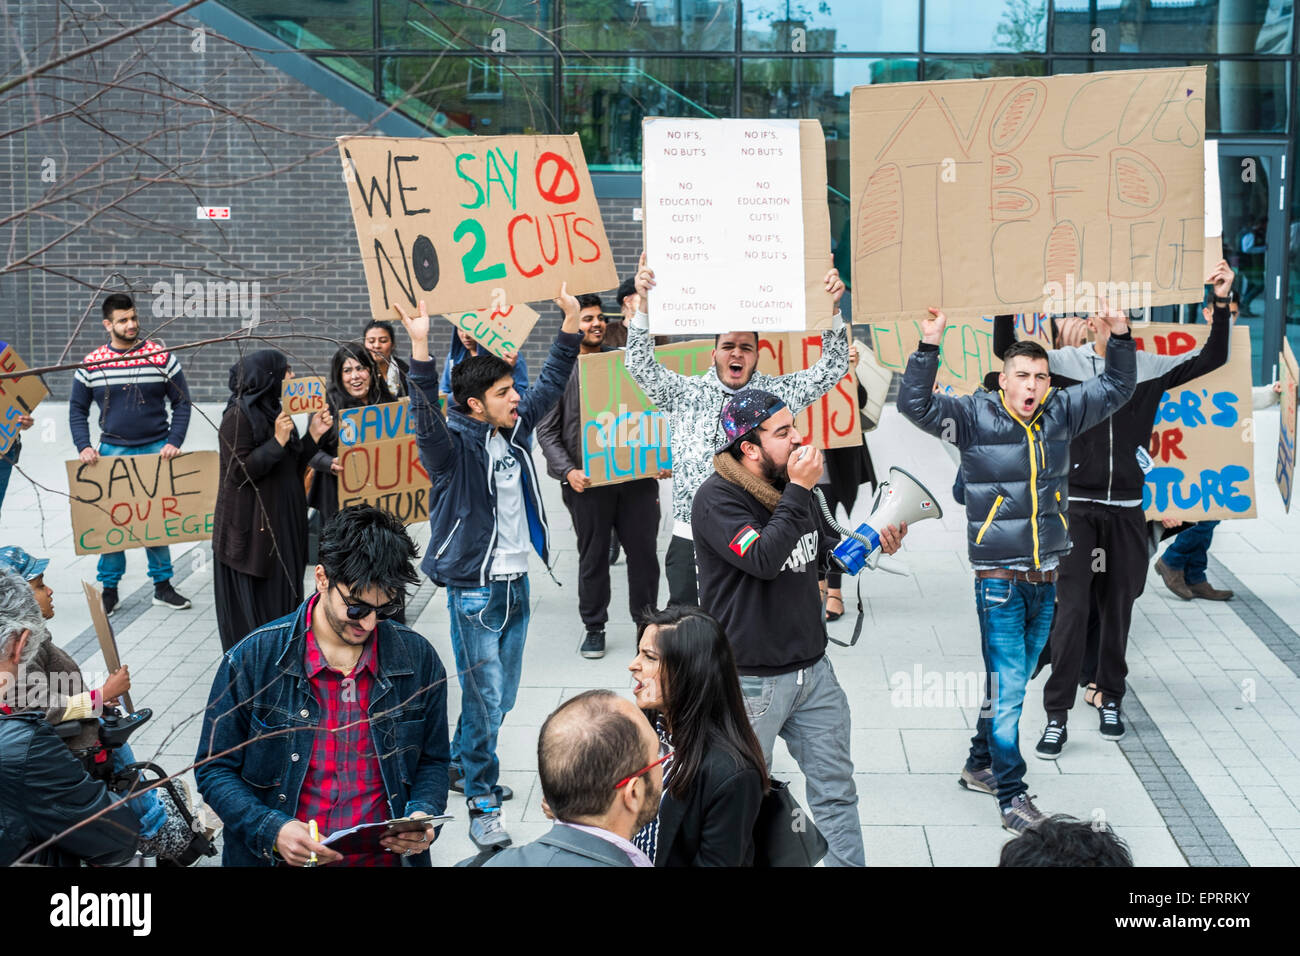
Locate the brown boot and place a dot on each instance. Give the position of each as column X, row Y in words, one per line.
column 1203, row 589
column 1174, row 580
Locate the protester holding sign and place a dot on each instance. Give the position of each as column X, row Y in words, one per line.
column 694, row 408
column 463, row 346
column 1015, row 458
column 259, row 534
column 630, row 507
column 1106, row 515
column 131, row 382
column 355, row 380
column 485, row 514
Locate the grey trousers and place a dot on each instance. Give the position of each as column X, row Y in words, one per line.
column 810, row 712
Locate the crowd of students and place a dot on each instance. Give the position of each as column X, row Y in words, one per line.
column 328, row 712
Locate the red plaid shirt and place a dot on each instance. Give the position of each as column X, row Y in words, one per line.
column 344, row 786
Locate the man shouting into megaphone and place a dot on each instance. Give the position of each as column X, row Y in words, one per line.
column 1015, row 463
column 759, row 540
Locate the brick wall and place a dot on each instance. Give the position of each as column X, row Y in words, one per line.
column 134, row 137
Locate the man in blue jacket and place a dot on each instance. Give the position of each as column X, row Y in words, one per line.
column 485, row 515
column 333, row 714
column 1015, row 465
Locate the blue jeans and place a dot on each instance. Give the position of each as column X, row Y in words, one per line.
column 1015, row 620
column 148, row 805
column 488, row 629
column 113, row 565
column 1190, row 551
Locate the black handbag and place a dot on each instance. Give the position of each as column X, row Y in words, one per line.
column 784, row 834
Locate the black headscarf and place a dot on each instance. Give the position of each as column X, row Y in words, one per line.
column 255, row 385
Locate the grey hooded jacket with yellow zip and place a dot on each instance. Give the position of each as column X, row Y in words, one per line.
column 1017, row 473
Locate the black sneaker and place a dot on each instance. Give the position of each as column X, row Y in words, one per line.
column 110, row 600
column 457, row 783
column 1112, row 726
column 1021, row 815
column 593, row 645
column 1054, row 737
column 164, row 595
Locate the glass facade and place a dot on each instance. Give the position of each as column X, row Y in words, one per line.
column 598, row 67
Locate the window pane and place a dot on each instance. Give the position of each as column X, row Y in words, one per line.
column 313, row 24
column 670, row 25
column 819, row 88
column 359, row 70
column 1242, row 96
column 979, row 26
column 831, row 26
column 473, row 95
column 605, row 101
column 1173, row 26
column 499, row 26
column 938, row 69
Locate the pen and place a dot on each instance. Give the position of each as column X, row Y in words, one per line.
column 315, row 836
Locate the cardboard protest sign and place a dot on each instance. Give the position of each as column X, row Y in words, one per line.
column 472, row 222
column 1289, row 377
column 736, row 224
column 104, row 631
column 142, row 501
column 500, row 331
column 299, row 395
column 18, row 396
column 380, row 460
column 965, row 351
column 1200, row 464
column 624, row 436
column 1028, row 194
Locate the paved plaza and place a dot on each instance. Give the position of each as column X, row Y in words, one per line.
column 1209, row 773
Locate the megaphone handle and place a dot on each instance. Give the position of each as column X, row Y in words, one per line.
column 873, row 559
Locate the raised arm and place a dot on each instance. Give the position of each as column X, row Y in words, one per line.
column 800, row 389
column 432, row 436
column 661, row 385
column 943, row 416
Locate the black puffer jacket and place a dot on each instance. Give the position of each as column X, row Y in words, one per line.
column 1016, row 473
column 44, row 791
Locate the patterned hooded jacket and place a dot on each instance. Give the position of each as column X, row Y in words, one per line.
column 693, row 403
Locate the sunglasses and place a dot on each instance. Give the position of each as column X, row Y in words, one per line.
column 360, row 610
column 626, row 780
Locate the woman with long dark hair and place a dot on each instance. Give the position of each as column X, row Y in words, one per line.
column 259, row 525
column 354, row 380
column 686, row 684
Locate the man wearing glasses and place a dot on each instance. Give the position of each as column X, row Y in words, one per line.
column 331, row 717
column 602, row 778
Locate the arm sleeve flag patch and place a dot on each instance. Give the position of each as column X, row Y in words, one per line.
column 744, row 540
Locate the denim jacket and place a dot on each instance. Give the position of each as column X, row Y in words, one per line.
column 259, row 728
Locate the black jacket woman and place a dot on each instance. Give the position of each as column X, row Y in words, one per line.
column 259, row 533
column 354, row 380
column 686, row 683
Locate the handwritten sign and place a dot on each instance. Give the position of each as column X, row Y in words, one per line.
column 624, row 436
column 965, row 352
column 142, row 501
column 305, row 394
column 500, row 331
column 474, row 222
column 1289, row 376
column 104, row 631
column 1028, row 194
column 388, row 475
column 18, row 396
column 374, row 423
column 1200, row 463
column 725, row 224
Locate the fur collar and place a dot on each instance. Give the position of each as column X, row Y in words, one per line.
column 734, row 472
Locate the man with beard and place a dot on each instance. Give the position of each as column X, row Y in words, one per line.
column 630, row 507
column 602, row 777
column 131, row 382
column 692, row 404
column 759, row 540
